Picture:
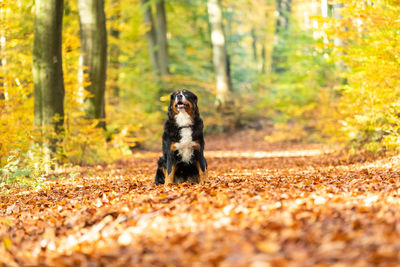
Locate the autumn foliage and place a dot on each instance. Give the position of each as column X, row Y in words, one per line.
column 368, row 47
column 263, row 205
column 340, row 81
column 302, row 158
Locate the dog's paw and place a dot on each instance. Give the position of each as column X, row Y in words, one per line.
column 203, row 176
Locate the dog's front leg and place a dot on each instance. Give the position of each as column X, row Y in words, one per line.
column 171, row 168
column 201, row 165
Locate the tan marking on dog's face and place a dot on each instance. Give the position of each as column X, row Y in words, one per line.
column 190, row 109
column 174, row 110
column 173, row 147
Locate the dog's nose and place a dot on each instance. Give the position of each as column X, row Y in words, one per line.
column 179, row 97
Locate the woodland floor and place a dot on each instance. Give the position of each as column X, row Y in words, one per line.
column 264, row 205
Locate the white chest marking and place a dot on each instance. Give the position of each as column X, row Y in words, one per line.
column 185, row 145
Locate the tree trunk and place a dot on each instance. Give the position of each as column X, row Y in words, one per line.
column 263, row 59
column 324, row 8
column 324, row 14
column 93, row 33
column 162, row 41
column 282, row 21
column 114, row 47
column 254, row 44
column 220, row 58
column 283, row 8
column 47, row 69
column 336, row 14
column 151, row 37
column 339, row 42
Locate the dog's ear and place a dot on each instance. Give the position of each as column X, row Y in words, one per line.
column 170, row 107
column 196, row 108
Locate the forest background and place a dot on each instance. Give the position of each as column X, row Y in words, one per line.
column 315, row 71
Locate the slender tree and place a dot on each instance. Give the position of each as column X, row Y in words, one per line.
column 338, row 42
column 220, row 57
column 151, row 37
column 324, row 8
column 265, row 63
column 282, row 21
column 263, row 59
column 114, row 47
column 254, row 43
column 93, row 33
column 336, row 14
column 47, row 69
column 162, row 42
column 283, row 8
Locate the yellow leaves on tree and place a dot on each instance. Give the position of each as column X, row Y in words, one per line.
column 16, row 107
column 367, row 38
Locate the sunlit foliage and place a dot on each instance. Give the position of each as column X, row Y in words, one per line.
column 369, row 40
column 16, row 103
column 340, row 82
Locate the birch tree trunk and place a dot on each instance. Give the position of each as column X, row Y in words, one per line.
column 336, row 14
column 324, row 8
column 220, row 58
column 338, row 42
column 151, row 37
column 93, row 33
column 47, row 70
column 162, row 42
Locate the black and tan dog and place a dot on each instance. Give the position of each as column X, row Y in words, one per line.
column 182, row 142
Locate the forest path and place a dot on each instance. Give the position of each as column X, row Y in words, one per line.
column 263, row 205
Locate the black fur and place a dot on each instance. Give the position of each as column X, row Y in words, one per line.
column 171, row 159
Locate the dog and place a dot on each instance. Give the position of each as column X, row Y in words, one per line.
column 182, row 142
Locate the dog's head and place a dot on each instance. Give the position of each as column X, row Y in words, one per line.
column 183, row 101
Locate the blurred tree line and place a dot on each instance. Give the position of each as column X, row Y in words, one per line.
column 83, row 81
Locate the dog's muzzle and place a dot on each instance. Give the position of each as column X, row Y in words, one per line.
column 181, row 102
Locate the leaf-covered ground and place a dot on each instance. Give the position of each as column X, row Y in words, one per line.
column 263, row 205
